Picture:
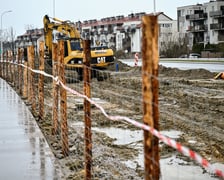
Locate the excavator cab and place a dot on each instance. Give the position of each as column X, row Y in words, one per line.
column 75, row 44
column 71, row 45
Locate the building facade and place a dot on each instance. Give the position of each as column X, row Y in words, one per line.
column 29, row 38
column 125, row 33
column 117, row 32
column 202, row 23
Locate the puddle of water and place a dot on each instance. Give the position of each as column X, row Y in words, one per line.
column 173, row 134
column 122, row 136
column 171, row 168
column 127, row 136
column 175, row 168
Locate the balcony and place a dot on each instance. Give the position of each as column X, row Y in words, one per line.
column 196, row 17
column 198, row 28
column 216, row 14
column 217, row 26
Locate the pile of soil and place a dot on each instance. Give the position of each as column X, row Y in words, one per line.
column 188, row 74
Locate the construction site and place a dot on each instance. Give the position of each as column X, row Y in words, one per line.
column 104, row 119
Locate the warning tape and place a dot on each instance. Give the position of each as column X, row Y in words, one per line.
column 170, row 142
column 136, row 59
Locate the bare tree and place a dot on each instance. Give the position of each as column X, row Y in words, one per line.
column 174, row 46
column 9, row 37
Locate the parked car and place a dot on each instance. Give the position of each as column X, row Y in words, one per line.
column 194, row 55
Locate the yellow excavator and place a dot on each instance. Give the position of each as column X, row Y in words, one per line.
column 101, row 56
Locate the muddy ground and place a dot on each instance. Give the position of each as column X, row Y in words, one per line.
column 190, row 101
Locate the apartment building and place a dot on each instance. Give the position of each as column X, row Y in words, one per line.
column 167, row 31
column 202, row 23
column 117, row 32
column 124, row 33
column 30, row 37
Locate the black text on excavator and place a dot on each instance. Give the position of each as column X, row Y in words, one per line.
column 101, row 56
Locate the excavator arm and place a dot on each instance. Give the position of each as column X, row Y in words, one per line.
column 64, row 27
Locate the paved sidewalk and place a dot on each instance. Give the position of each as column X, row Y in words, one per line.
column 24, row 153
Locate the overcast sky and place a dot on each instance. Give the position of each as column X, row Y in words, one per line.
column 30, row 12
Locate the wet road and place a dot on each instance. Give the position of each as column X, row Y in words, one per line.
column 24, row 153
column 184, row 65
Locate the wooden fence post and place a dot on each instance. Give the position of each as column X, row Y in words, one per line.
column 13, row 69
column 32, row 80
column 150, row 94
column 29, row 50
column 16, row 77
column 20, row 74
column 10, row 67
column 63, row 102
column 25, row 76
column 41, row 82
column 31, row 83
column 4, row 66
column 7, row 66
column 55, row 108
column 87, row 109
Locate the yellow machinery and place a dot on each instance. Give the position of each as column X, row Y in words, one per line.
column 101, row 56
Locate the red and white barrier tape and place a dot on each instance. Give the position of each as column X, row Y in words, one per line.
column 170, row 142
column 136, row 59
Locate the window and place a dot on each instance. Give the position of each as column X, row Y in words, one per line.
column 75, row 45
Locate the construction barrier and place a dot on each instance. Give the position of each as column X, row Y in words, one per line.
column 136, row 59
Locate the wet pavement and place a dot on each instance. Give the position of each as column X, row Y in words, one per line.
column 24, row 153
column 184, row 65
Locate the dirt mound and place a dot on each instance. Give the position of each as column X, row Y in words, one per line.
column 190, row 74
column 167, row 71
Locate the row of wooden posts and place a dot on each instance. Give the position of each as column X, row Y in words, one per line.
column 18, row 72
column 22, row 78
